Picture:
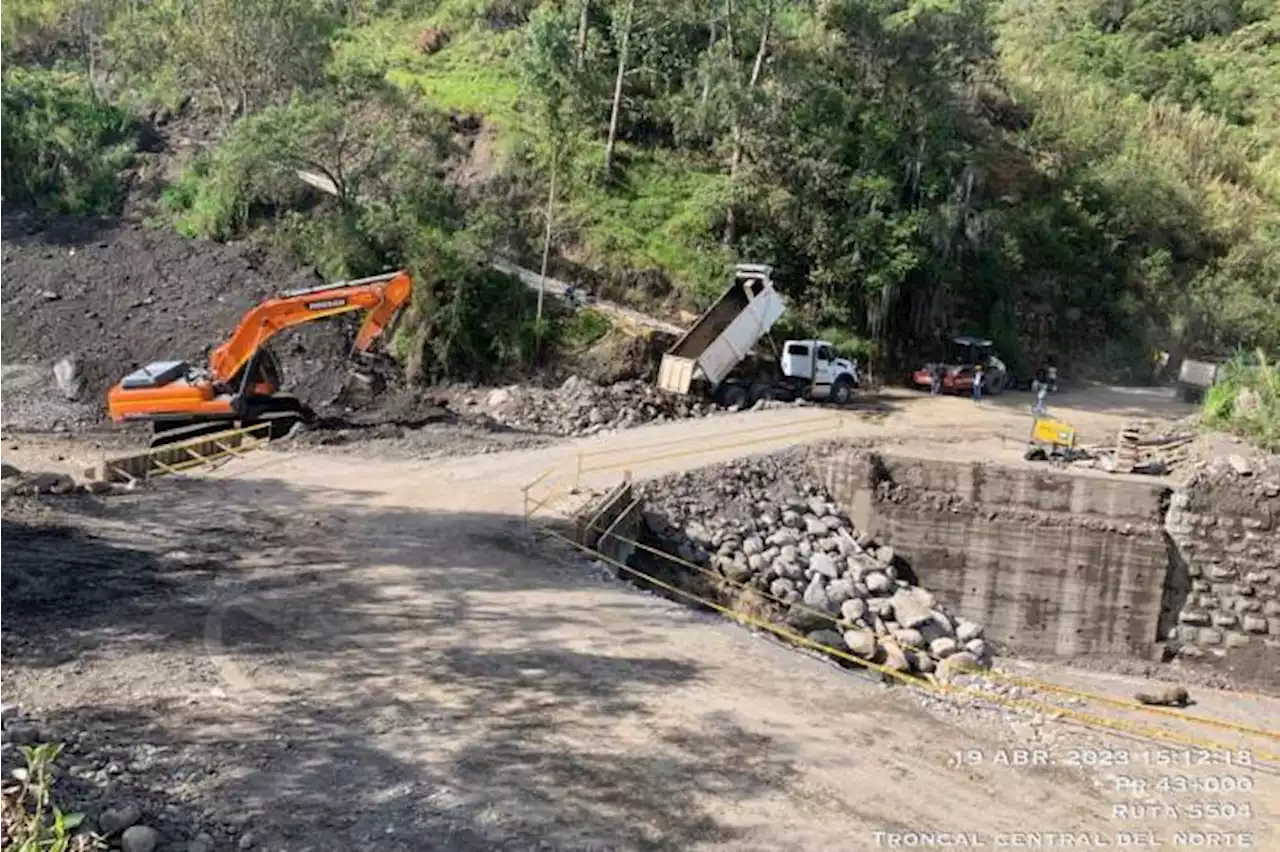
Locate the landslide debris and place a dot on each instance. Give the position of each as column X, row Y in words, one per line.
column 108, row 296
column 579, row 406
column 86, row 301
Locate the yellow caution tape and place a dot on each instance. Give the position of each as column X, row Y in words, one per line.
column 1020, row 681
column 934, row 685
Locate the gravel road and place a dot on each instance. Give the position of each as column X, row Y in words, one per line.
column 321, row 652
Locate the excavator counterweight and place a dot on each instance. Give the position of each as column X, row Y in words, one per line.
column 242, row 382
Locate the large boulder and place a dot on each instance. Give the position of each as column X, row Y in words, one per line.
column 815, row 595
column 878, row 583
column 894, row 657
column 913, row 607
column 967, row 630
column 67, row 375
column 853, row 609
column 861, row 642
column 827, row 639
column 823, row 564
column 839, row 591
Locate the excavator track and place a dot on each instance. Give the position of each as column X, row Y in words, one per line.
column 282, row 412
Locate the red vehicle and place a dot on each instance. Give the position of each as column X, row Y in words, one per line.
column 957, row 368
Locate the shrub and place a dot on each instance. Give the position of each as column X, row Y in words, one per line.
column 63, row 147
column 1246, row 400
column 30, row 819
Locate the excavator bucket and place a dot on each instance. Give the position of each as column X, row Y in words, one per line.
column 360, row 388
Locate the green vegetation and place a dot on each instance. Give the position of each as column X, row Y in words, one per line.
column 63, row 148
column 1088, row 179
column 1158, row 111
column 581, row 328
column 1246, row 400
column 32, row 822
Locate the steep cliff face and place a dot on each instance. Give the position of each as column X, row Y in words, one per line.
column 1223, row 591
column 1055, row 563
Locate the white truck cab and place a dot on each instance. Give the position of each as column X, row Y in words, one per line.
column 815, row 361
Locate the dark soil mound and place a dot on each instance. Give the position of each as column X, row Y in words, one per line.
column 119, row 295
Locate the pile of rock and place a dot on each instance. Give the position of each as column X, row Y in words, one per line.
column 17, row 483
column 759, row 524
column 582, row 407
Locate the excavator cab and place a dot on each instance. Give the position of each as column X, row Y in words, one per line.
column 262, row 376
column 183, row 402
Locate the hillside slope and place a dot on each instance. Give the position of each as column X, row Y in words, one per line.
column 1089, row 180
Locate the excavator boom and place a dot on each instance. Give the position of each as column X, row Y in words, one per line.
column 381, row 295
column 242, row 380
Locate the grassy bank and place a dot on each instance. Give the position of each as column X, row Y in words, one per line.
column 1246, row 400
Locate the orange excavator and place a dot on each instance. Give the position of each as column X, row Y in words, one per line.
column 242, row 382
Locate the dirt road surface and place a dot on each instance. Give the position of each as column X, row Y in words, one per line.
column 323, row 651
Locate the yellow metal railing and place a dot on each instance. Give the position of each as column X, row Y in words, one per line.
column 539, row 504
column 182, row 456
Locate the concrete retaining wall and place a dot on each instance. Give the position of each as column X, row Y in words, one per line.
column 1054, row 563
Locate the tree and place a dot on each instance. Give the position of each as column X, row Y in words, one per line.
column 380, row 153
column 356, row 134
column 740, row 118
column 90, row 19
column 624, row 39
column 584, row 19
column 550, row 74
column 246, row 54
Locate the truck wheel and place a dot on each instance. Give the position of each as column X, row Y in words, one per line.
column 997, row 384
column 734, row 396
column 842, row 391
column 759, row 392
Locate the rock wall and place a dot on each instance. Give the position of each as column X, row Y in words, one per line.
column 1223, row 594
column 1054, row 563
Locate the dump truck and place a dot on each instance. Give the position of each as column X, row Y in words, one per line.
column 1195, row 377
column 714, row 357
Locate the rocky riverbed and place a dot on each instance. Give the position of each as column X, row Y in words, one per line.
column 764, row 527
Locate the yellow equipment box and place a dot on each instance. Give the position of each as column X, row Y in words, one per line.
column 1053, row 434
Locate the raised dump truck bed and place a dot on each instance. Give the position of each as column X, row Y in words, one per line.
column 726, row 333
column 1195, row 377
column 707, row 357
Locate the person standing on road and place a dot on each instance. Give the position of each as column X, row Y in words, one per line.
column 935, row 378
column 977, row 383
column 1041, row 388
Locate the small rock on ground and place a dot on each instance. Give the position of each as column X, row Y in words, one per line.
column 140, row 838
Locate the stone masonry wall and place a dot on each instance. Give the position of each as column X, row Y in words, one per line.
column 1223, row 591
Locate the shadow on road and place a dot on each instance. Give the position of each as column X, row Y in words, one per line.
column 330, row 674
